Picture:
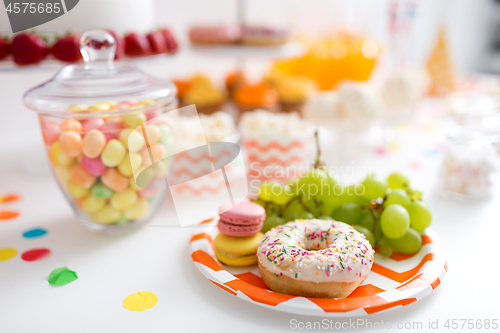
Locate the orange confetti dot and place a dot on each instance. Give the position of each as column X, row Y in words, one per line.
column 9, row 198
column 8, row 214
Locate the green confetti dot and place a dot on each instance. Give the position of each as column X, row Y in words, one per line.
column 62, row 276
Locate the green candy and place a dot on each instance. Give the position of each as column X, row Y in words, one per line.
column 100, row 191
column 122, row 221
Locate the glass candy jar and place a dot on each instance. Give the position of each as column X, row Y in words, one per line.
column 469, row 166
column 102, row 121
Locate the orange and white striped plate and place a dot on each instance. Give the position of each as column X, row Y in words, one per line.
column 393, row 282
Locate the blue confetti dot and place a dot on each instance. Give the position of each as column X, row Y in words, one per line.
column 33, row 233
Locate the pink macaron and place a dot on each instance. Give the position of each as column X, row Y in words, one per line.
column 244, row 219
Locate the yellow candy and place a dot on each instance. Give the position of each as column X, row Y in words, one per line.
column 78, row 108
column 137, row 211
column 132, row 139
column 147, row 102
column 57, row 156
column 113, row 154
column 135, row 120
column 76, row 191
column 106, row 215
column 92, row 204
column 124, row 200
column 104, row 106
column 133, row 185
column 130, row 164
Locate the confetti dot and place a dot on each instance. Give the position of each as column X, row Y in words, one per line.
column 7, row 253
column 35, row 254
column 62, row 276
column 34, row 233
column 8, row 214
column 9, row 198
column 140, row 301
column 380, row 151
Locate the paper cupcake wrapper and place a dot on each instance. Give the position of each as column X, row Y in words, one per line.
column 392, row 283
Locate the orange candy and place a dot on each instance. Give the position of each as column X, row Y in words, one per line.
column 153, row 134
column 93, row 143
column 71, row 143
column 256, row 95
column 158, row 152
column 81, row 177
column 71, row 125
column 114, row 180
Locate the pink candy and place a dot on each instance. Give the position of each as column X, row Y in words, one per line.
column 148, row 193
column 93, row 165
column 50, row 133
column 111, row 129
column 152, row 114
column 92, row 123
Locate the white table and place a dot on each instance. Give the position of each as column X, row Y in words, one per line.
column 157, row 259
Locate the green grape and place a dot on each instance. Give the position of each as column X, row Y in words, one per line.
column 266, row 190
column 291, row 217
column 281, row 195
column 416, row 196
column 410, row 243
column 306, row 216
column 374, row 188
column 420, row 216
column 311, row 183
column 272, row 209
column 271, row 222
column 368, row 234
column 294, row 207
column 259, row 202
column 293, row 185
column 366, row 220
column 353, row 194
column 349, row 213
column 311, row 205
column 397, row 180
column 331, row 196
column 385, row 250
column 397, row 196
column 394, row 221
column 325, row 217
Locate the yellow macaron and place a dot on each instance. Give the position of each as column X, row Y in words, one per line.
column 237, row 251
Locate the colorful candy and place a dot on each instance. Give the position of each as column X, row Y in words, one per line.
column 96, row 159
column 113, row 153
column 93, row 165
column 93, row 143
column 114, row 180
column 71, row 143
column 124, row 200
column 81, row 177
column 71, row 125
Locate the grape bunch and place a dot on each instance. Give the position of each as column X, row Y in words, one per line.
column 389, row 212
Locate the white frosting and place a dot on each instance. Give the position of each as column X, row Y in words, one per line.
column 218, row 126
column 316, row 251
column 261, row 122
column 401, row 90
column 359, row 102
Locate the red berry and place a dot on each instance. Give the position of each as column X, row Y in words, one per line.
column 67, row 48
column 120, row 44
column 136, row 45
column 157, row 42
column 28, row 49
column 4, row 48
column 170, row 39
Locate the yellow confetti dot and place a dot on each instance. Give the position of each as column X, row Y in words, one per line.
column 7, row 253
column 140, row 301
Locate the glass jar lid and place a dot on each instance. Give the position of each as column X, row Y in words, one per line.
column 98, row 79
column 473, row 137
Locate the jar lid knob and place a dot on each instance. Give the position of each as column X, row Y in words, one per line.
column 97, row 45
